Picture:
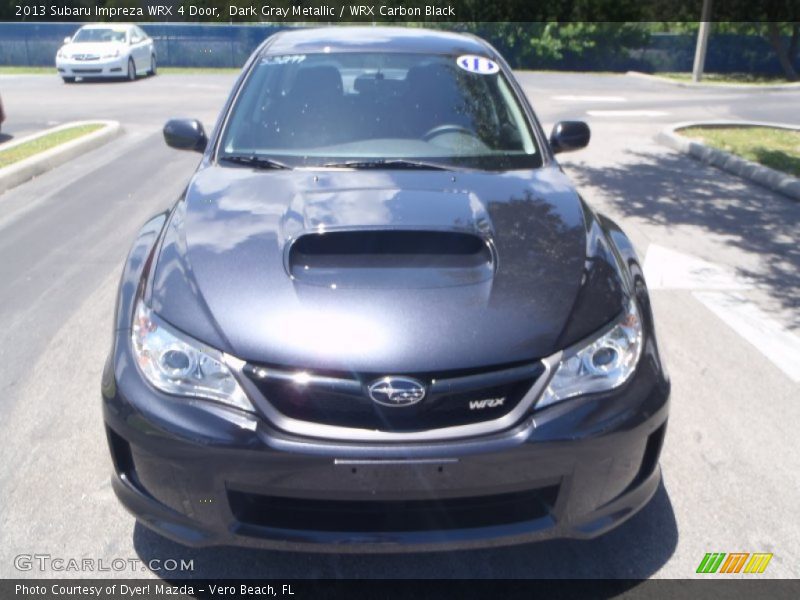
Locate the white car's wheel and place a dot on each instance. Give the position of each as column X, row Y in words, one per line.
column 131, row 70
column 153, row 67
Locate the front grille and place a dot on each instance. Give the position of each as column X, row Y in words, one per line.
column 391, row 515
column 344, row 401
column 88, row 71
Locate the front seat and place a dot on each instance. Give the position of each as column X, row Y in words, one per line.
column 312, row 108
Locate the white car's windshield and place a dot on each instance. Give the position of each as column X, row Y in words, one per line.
column 329, row 109
column 99, row 35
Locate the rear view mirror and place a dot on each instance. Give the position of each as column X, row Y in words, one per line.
column 569, row 135
column 67, row 40
column 185, row 134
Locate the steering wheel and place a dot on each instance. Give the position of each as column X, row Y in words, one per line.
column 446, row 128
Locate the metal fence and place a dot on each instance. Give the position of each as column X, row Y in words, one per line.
column 177, row 44
column 204, row 45
column 727, row 53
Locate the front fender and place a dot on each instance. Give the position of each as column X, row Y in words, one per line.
column 632, row 268
column 140, row 258
column 623, row 247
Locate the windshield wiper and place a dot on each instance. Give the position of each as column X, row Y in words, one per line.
column 255, row 161
column 390, row 163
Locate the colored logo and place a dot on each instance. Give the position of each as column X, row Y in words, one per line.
column 735, row 562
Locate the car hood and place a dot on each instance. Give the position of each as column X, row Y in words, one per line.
column 93, row 48
column 373, row 271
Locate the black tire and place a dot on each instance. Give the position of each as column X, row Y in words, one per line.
column 68, row 79
column 153, row 66
column 131, row 76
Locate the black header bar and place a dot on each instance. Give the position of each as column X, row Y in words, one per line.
column 400, row 11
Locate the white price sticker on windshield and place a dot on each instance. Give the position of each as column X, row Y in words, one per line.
column 283, row 59
column 477, row 64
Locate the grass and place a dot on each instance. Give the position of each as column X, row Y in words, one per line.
column 774, row 148
column 6, row 70
column 745, row 78
column 45, row 142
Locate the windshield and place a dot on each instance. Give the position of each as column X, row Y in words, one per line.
column 331, row 109
column 99, row 35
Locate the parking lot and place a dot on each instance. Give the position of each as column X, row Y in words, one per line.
column 722, row 259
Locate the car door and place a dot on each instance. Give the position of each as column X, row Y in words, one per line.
column 149, row 46
column 146, row 46
column 139, row 50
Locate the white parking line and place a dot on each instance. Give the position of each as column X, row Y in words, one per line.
column 668, row 269
column 590, row 98
column 718, row 289
column 626, row 113
column 773, row 340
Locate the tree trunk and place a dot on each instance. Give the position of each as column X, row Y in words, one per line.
column 775, row 40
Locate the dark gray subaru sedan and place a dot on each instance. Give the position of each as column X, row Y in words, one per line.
column 381, row 317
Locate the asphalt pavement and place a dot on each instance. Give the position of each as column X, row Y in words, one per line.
column 721, row 256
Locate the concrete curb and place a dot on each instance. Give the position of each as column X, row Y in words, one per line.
column 769, row 178
column 739, row 87
column 20, row 172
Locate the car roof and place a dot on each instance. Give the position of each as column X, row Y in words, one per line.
column 374, row 39
column 116, row 26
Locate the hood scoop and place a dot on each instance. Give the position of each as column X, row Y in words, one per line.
column 390, row 258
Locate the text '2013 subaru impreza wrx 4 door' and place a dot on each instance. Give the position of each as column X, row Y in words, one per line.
column 380, row 316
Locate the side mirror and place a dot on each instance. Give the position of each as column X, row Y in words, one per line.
column 569, row 135
column 185, row 134
column 67, row 40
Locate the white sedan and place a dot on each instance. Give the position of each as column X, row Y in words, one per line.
column 106, row 50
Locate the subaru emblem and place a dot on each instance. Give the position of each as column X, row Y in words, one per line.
column 396, row 391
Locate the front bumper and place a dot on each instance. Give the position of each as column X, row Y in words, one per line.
column 202, row 474
column 109, row 67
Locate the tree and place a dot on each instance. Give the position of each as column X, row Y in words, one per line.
column 787, row 54
column 773, row 20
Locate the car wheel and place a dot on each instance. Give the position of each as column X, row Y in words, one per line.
column 68, row 79
column 131, row 70
column 153, row 67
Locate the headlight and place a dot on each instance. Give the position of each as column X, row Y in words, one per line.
column 601, row 364
column 114, row 54
column 177, row 364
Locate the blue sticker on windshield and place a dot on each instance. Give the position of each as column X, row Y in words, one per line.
column 477, row 64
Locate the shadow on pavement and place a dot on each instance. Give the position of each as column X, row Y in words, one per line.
column 672, row 190
column 636, row 550
column 5, row 137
